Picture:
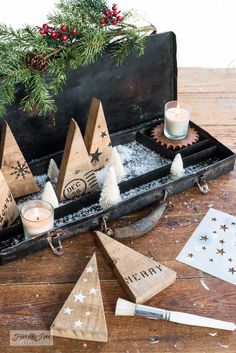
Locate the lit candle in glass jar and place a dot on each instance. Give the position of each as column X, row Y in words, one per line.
column 176, row 120
column 37, row 217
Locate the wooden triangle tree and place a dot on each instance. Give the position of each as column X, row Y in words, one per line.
column 8, row 208
column 82, row 315
column 140, row 276
column 97, row 138
column 14, row 166
column 76, row 176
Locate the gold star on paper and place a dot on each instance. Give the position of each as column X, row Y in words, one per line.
column 203, row 237
column 224, row 227
column 220, row 251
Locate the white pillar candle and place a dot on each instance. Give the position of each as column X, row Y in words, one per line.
column 176, row 120
column 37, row 217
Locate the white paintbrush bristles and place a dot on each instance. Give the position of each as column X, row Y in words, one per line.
column 124, row 308
column 49, row 195
column 53, row 171
column 116, row 163
column 110, row 194
column 177, row 168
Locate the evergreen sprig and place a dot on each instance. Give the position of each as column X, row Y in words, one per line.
column 90, row 40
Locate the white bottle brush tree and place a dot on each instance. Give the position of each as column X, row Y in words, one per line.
column 110, row 194
column 116, row 163
column 49, row 195
column 53, row 171
column 177, row 168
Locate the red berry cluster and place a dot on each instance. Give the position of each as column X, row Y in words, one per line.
column 63, row 33
column 111, row 17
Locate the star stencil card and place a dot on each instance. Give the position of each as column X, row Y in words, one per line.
column 212, row 246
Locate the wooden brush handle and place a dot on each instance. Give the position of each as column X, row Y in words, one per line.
column 195, row 320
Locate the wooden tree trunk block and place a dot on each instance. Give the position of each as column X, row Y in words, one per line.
column 8, row 208
column 140, row 276
column 97, row 138
column 82, row 316
column 14, row 166
column 76, row 176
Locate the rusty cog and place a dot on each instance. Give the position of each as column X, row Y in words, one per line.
column 159, row 137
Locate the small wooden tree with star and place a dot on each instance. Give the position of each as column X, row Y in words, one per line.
column 76, row 175
column 82, row 315
column 97, row 138
column 14, row 166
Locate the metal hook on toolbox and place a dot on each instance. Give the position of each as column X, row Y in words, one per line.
column 202, row 185
column 54, row 241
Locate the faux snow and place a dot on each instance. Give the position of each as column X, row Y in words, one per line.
column 136, row 159
column 93, row 209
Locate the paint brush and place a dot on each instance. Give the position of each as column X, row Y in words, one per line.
column 126, row 308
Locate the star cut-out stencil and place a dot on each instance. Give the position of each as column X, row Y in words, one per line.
column 219, row 255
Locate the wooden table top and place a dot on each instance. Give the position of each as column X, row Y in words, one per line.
column 33, row 289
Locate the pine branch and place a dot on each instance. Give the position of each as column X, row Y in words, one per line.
column 25, row 54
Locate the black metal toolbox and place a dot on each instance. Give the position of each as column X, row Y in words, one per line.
column 133, row 97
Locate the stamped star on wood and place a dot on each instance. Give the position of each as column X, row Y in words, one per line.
column 93, row 291
column 95, row 156
column 103, row 134
column 78, row 323
column 89, row 269
column 79, row 297
column 82, row 315
column 68, row 310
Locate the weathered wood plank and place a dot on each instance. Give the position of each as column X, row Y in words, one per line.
column 211, row 108
column 225, row 135
column 206, row 80
column 33, row 289
column 34, row 307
